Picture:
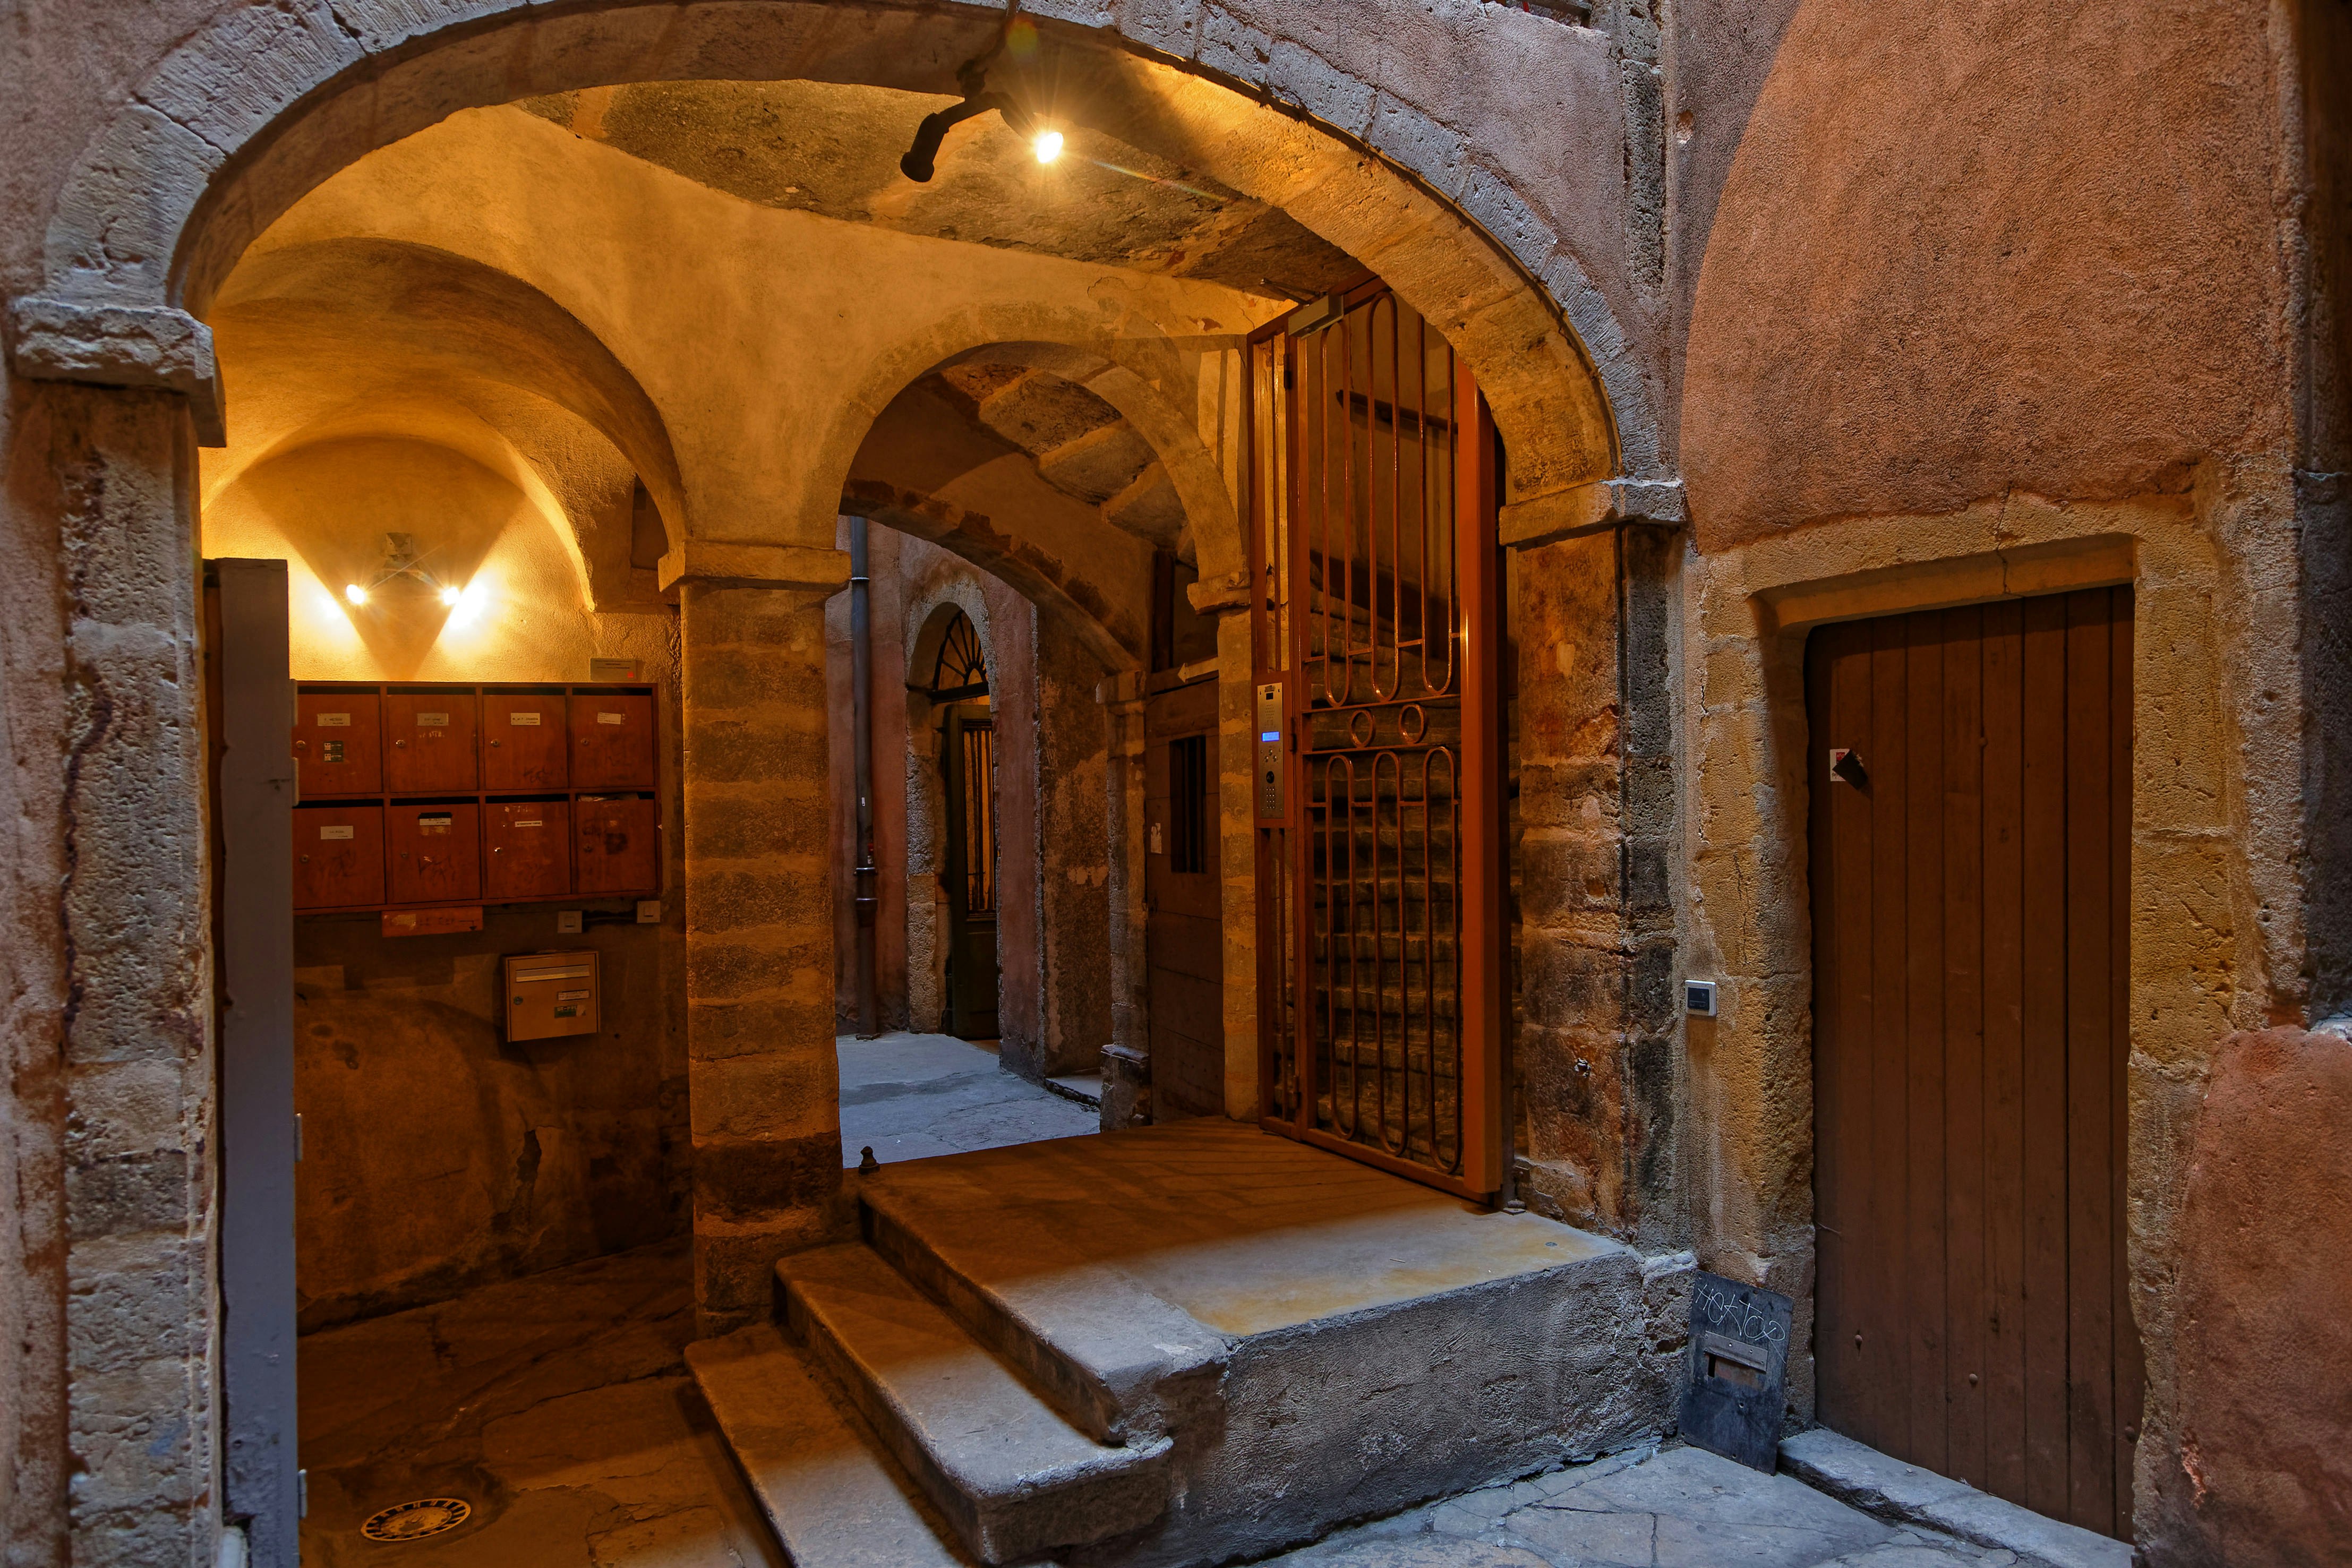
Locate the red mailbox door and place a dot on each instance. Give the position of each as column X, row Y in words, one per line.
column 338, row 856
column 428, row 742
column 523, row 740
column 530, row 848
column 436, row 854
column 337, row 741
column 612, row 741
column 616, row 845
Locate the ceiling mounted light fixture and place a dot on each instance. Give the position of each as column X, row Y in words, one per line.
column 354, row 593
column 921, row 160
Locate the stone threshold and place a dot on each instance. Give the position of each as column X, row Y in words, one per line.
column 1085, row 1088
column 1901, row 1493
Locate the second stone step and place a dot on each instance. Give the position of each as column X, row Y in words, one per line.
column 1014, row 1477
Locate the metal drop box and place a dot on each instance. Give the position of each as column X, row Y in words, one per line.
column 550, row 994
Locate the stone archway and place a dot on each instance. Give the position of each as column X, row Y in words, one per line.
column 253, row 109
column 171, row 193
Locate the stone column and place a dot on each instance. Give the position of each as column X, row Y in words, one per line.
column 110, row 1033
column 763, row 1082
column 1595, row 1065
column 1127, row 1060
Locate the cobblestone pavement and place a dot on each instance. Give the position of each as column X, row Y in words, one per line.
column 1678, row 1507
column 909, row 1097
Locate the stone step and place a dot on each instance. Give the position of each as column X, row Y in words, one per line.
column 1123, row 1364
column 1012, row 1475
column 830, row 1496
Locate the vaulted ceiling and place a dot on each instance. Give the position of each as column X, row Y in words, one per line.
column 834, row 150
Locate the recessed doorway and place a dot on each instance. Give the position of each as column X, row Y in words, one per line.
column 1971, row 805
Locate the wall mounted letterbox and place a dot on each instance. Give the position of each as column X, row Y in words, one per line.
column 523, row 740
column 612, row 741
column 550, row 994
column 530, row 848
column 428, row 741
column 336, row 735
column 437, row 852
column 469, row 794
column 615, row 839
column 338, row 856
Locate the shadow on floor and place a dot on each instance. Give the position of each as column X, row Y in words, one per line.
column 557, row 1406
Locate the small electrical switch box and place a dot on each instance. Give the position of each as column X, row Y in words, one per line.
column 1698, row 998
column 567, row 922
column 649, row 912
column 1272, row 765
column 550, row 994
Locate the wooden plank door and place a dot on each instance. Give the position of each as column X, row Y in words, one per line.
column 968, row 756
column 1376, row 640
column 1184, row 940
column 1970, row 886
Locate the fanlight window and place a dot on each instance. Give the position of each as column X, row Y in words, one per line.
column 960, row 671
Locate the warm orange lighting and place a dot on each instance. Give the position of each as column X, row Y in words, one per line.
column 355, row 594
column 450, row 596
column 1048, row 145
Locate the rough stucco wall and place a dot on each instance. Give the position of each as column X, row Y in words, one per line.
column 435, row 1157
column 2263, row 1476
column 2043, row 284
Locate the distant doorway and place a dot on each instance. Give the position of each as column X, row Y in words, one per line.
column 1184, row 927
column 1971, row 806
column 958, row 689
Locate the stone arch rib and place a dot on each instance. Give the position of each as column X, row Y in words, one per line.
column 263, row 104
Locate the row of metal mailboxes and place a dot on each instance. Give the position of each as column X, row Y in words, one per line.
column 416, row 742
column 360, row 856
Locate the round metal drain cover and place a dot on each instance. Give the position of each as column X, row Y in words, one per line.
column 414, row 1521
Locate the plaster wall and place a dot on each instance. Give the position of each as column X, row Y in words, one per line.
column 436, row 1157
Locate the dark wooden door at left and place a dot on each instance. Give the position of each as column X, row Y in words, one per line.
column 1184, row 924
column 1972, row 900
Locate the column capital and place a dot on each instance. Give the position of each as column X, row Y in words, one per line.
column 145, row 347
column 731, row 563
column 1223, row 597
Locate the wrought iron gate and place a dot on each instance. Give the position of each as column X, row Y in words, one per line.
column 1376, row 632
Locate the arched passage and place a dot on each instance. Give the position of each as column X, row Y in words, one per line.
column 174, row 192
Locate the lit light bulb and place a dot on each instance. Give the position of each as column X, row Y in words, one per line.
column 355, row 594
column 1049, row 146
column 449, row 596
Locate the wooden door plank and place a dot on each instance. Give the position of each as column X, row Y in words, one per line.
column 2090, row 1093
column 1923, row 1304
column 1852, row 836
column 2002, row 1310
column 2043, row 1040
column 1823, row 648
column 1963, row 957
column 2129, row 1372
column 1885, row 1361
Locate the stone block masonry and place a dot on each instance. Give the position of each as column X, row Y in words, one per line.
column 759, row 947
